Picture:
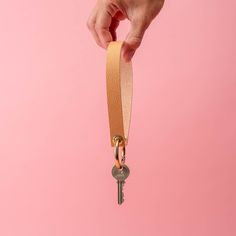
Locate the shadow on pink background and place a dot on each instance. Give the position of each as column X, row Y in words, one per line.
column 55, row 155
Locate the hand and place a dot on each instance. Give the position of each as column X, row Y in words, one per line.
column 107, row 14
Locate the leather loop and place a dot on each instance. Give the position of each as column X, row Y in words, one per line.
column 119, row 84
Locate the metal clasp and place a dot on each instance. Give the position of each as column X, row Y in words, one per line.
column 117, row 141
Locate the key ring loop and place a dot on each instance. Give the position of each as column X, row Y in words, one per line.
column 118, row 140
column 119, row 87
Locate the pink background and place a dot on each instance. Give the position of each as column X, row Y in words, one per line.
column 55, row 155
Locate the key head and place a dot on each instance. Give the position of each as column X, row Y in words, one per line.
column 120, row 174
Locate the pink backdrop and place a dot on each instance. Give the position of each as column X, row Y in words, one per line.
column 55, row 155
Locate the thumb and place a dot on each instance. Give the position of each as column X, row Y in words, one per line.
column 134, row 37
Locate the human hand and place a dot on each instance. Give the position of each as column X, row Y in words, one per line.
column 107, row 14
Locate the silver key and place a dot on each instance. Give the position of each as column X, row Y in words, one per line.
column 120, row 175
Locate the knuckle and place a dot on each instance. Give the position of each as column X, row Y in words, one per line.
column 90, row 24
column 112, row 6
column 108, row 2
column 97, row 28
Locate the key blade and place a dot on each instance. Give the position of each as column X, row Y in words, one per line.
column 120, row 192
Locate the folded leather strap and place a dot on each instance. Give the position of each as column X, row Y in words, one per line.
column 119, row 85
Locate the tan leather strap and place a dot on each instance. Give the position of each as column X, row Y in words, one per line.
column 119, row 92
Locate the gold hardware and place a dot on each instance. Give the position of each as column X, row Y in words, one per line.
column 118, row 140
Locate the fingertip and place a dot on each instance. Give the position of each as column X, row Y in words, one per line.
column 107, row 43
column 104, row 36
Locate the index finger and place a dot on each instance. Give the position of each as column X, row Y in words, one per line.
column 102, row 27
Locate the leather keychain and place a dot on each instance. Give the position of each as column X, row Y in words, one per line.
column 119, row 85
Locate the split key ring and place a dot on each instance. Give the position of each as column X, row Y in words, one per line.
column 118, row 140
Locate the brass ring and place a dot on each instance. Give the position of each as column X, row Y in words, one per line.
column 117, row 140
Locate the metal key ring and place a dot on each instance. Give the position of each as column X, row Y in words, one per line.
column 119, row 163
